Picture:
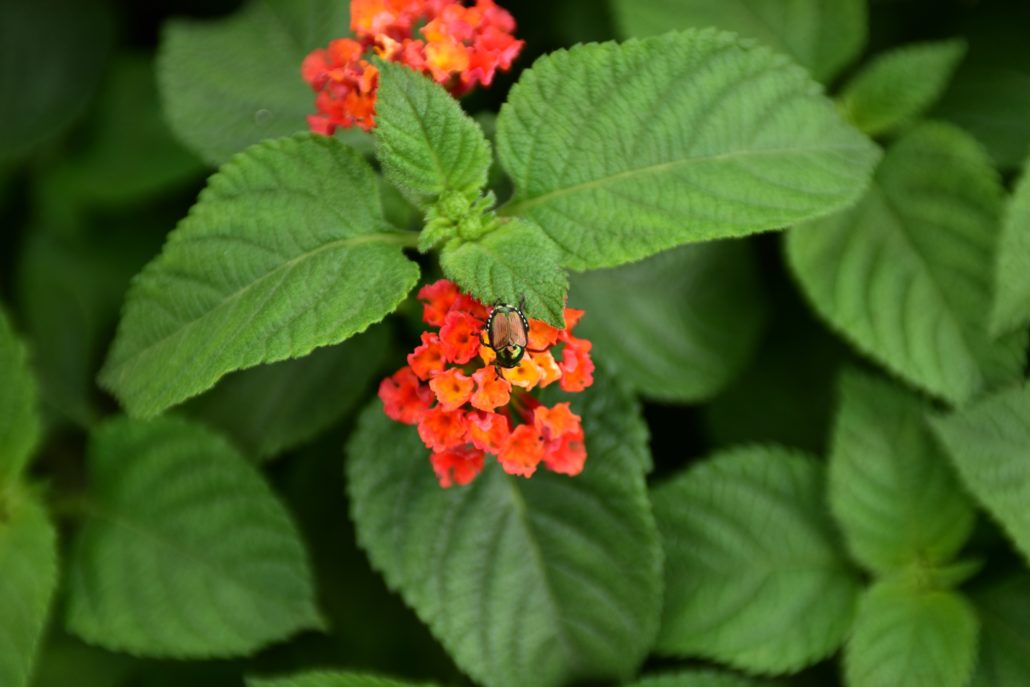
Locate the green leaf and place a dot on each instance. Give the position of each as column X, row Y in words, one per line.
column 287, row 250
column 911, row 636
column 272, row 408
column 66, row 661
column 327, row 679
column 515, row 260
column 898, row 86
column 620, row 151
column 905, row 274
column 230, row 83
column 1012, row 289
column 1004, row 611
column 660, row 322
column 891, row 487
column 542, row 581
column 19, row 420
column 185, row 551
column 823, row 36
column 988, row 443
column 424, row 140
column 753, row 576
column 28, row 559
column 697, row 678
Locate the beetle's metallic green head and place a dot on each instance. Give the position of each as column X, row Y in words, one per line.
column 510, row 356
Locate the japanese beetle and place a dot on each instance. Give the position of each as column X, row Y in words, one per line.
column 507, row 333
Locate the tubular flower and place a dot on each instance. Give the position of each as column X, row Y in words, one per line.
column 466, row 408
column 459, row 46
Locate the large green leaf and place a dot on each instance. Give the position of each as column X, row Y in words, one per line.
column 287, row 250
column 28, row 578
column 425, row 142
column 678, row 326
column 185, row 551
column 909, row 636
column 900, row 85
column 272, row 408
column 989, row 443
column 65, row 661
column 327, row 679
column 517, row 260
column 697, row 678
column 1012, row 288
column 622, row 150
column 1004, row 611
column 753, row 576
column 540, row 581
column 905, row 275
column 822, row 35
column 230, row 83
column 19, row 419
column 892, row 489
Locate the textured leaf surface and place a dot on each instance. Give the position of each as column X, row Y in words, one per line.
column 899, row 86
column 1004, row 612
column 753, row 577
column 697, row 678
column 515, row 260
column 287, row 250
column 28, row 559
column 328, row 679
column 679, row 326
column 424, row 140
column 19, row 419
column 905, row 274
column 541, row 581
column 229, row 83
column 822, row 35
column 911, row 637
column 185, row 552
column 989, row 443
column 272, row 408
column 622, row 150
column 1012, row 292
column 892, row 488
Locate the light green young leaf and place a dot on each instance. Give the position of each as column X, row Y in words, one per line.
column 910, row 636
column 525, row 582
column 697, row 678
column 989, row 443
column 823, row 36
column 327, row 679
column 679, row 326
column 1012, row 286
column 900, row 85
column 905, row 274
column 1004, row 611
column 753, row 577
column 269, row 409
column 620, row 151
column 185, row 551
column 286, row 250
column 515, row 260
column 891, row 487
column 19, row 418
column 424, row 140
column 28, row 561
column 229, row 83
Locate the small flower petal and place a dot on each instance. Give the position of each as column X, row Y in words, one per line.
column 437, row 298
column 527, row 374
column 488, row 431
column 442, row 429
column 492, row 390
column 523, row 452
column 452, row 388
column 458, row 465
column 404, row 398
column 428, row 359
column 549, row 370
column 460, row 337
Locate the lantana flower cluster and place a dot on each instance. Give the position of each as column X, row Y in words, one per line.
column 459, row 46
column 465, row 407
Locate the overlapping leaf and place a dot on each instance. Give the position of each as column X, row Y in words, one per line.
column 185, row 552
column 697, row 678
column 287, row 250
column 899, row 86
column 823, row 36
column 620, row 151
column 909, row 636
column 539, row 581
column 891, row 487
column 678, row 326
column 327, row 679
column 1004, row 611
column 753, row 576
column 905, row 274
column 1012, row 290
column 19, row 421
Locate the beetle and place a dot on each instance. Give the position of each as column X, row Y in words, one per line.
column 507, row 333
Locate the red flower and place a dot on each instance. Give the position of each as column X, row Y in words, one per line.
column 346, row 87
column 483, row 409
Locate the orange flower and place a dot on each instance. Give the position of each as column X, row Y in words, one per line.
column 438, row 298
column 488, row 431
column 452, row 388
column 526, row 374
column 568, row 455
column 442, row 429
column 427, row 360
column 557, row 421
column 549, row 370
column 523, row 452
column 345, row 85
column 576, row 366
column 458, row 465
column 460, row 337
column 404, row 399
column 542, row 335
column 492, row 391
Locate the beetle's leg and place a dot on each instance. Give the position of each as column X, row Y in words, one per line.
column 522, row 302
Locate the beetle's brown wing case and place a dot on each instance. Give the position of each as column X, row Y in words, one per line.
column 519, row 335
column 500, row 330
